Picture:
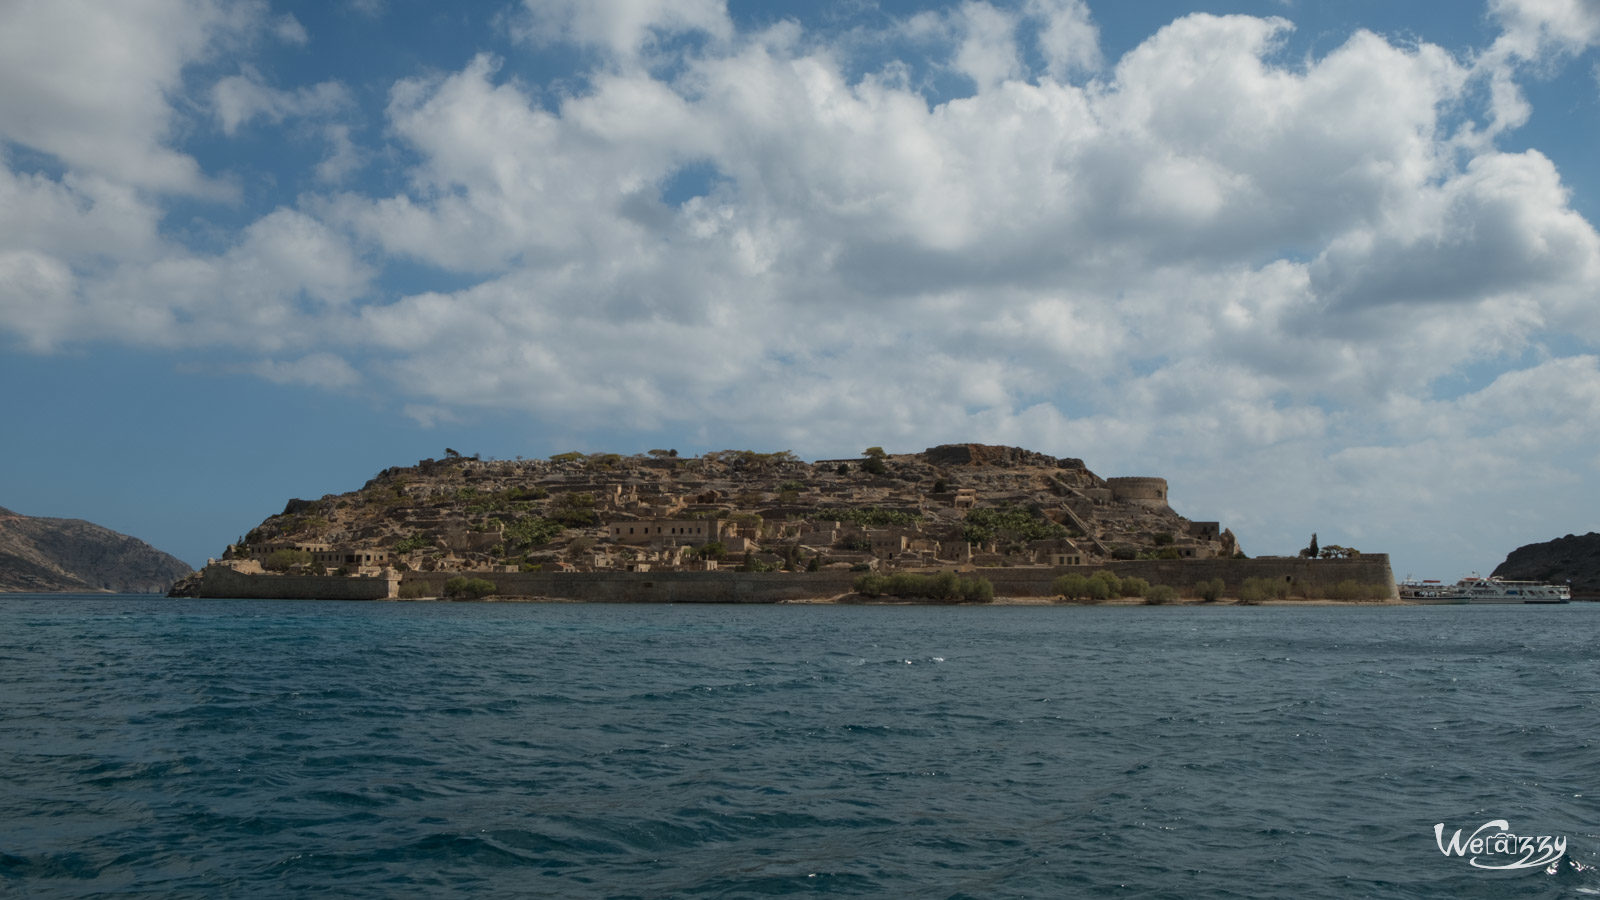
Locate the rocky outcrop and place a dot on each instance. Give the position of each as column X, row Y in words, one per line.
column 43, row 555
column 1574, row 559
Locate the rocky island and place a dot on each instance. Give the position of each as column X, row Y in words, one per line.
column 741, row 526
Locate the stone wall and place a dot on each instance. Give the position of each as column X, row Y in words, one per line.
column 653, row 587
column 1316, row 576
column 224, row 582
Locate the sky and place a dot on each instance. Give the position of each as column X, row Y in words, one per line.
column 1326, row 267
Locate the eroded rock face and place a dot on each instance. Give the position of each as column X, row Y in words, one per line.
column 44, row 555
column 1574, row 559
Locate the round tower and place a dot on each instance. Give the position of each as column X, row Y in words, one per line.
column 1142, row 491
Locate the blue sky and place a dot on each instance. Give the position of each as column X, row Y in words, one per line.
column 1327, row 267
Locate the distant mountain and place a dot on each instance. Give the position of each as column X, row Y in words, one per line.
column 1574, row 558
column 62, row 555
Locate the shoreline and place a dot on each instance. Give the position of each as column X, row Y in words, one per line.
column 858, row 600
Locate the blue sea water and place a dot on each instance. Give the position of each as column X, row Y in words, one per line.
column 181, row 748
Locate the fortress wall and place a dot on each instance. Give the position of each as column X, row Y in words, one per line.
column 654, row 587
column 223, row 582
column 1315, row 574
column 773, row 587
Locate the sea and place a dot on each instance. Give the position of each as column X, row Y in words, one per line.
column 247, row 748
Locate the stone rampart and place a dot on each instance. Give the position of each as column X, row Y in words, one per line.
column 224, row 582
column 651, row 587
column 1316, row 577
column 1305, row 576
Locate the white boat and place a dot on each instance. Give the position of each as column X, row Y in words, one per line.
column 1477, row 589
column 1429, row 590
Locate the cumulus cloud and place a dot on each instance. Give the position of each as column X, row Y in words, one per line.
column 241, row 99
column 1068, row 37
column 622, row 27
column 89, row 83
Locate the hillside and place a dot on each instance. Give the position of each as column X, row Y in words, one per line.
column 60, row 555
column 955, row 504
column 1574, row 559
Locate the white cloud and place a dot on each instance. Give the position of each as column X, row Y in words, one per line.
column 89, row 83
column 242, row 99
column 1068, row 37
column 322, row 370
column 624, row 27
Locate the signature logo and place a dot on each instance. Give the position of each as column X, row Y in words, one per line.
column 1493, row 846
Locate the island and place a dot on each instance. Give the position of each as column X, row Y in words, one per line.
column 762, row 527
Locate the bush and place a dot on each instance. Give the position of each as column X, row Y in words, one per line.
column 412, row 590
column 1160, row 593
column 1072, row 587
column 284, row 560
column 944, row 586
column 1008, row 523
column 1134, row 586
column 1104, row 585
column 462, row 588
column 1210, row 591
column 1255, row 590
column 413, row 543
column 1350, row 589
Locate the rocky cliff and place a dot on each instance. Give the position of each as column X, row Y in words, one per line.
column 1574, row 559
column 45, row 555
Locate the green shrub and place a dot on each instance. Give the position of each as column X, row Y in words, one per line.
column 1160, row 593
column 1210, row 591
column 1134, row 586
column 943, row 586
column 1008, row 523
column 413, row 543
column 1103, row 585
column 867, row 516
column 462, row 588
column 413, row 590
column 1072, row 586
column 532, row 531
column 872, row 585
column 284, row 560
column 1350, row 589
column 1255, row 590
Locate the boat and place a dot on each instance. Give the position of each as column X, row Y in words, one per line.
column 1476, row 589
column 1429, row 590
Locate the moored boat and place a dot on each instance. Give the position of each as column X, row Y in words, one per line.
column 1476, row 589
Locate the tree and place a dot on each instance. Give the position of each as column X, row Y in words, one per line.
column 1210, row 591
column 1311, row 551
